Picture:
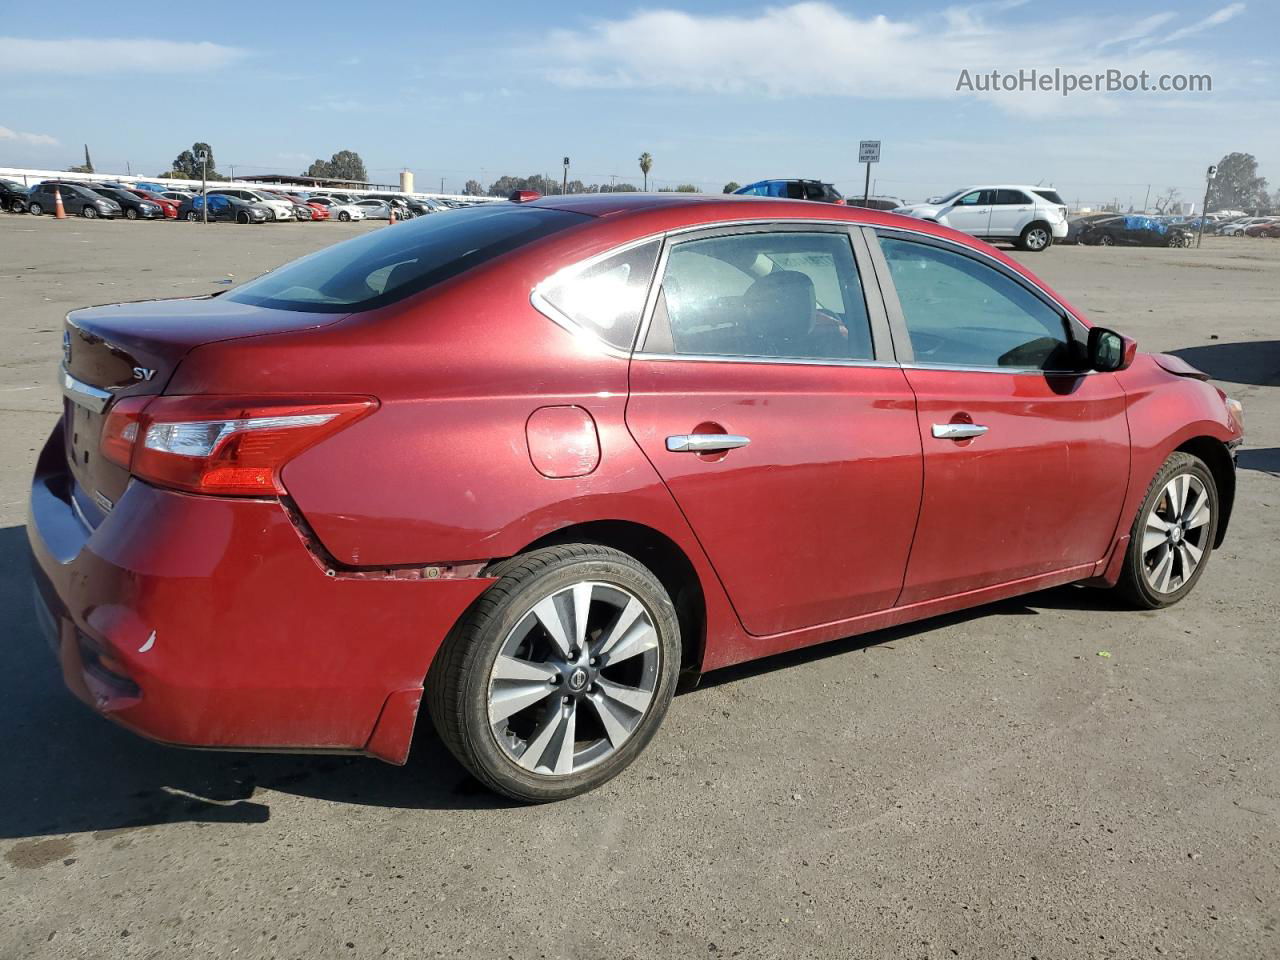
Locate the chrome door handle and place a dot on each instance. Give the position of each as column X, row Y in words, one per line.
column 958, row 431
column 705, row 442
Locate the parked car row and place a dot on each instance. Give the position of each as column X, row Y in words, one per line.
column 109, row 200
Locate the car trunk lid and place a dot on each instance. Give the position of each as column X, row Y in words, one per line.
column 132, row 349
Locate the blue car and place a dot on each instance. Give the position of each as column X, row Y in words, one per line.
column 223, row 208
column 793, row 190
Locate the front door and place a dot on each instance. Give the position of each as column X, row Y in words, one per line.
column 1026, row 457
column 779, row 423
column 970, row 213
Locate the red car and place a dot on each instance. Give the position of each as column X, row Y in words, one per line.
column 170, row 207
column 1271, row 229
column 540, row 460
column 318, row 210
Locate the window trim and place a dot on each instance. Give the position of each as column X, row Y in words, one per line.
column 881, row 337
column 1075, row 329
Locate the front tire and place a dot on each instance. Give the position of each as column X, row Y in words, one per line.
column 559, row 675
column 344, row 216
column 131, row 214
column 35, row 209
column 1173, row 534
column 1035, row 238
column 242, row 218
column 88, row 212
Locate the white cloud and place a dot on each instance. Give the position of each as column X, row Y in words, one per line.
column 33, row 139
column 1217, row 18
column 815, row 49
column 94, row 56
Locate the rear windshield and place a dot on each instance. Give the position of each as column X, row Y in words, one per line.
column 1051, row 196
column 394, row 262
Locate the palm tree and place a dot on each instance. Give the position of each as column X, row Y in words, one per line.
column 646, row 164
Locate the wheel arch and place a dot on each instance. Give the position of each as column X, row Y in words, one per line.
column 1217, row 458
column 664, row 558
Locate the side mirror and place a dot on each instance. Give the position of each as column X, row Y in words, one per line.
column 1109, row 351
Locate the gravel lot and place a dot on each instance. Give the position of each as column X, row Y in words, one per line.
column 983, row 785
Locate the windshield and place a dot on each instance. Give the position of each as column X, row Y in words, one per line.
column 383, row 267
column 947, row 198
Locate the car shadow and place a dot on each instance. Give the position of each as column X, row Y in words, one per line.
column 65, row 769
column 1264, row 460
column 1254, row 362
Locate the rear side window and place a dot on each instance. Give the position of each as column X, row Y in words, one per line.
column 388, row 265
column 1014, row 197
column 608, row 296
column 772, row 295
column 1052, row 196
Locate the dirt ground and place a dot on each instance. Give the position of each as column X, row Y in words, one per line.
column 983, row 785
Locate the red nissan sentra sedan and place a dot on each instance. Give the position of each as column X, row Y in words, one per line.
column 540, row 459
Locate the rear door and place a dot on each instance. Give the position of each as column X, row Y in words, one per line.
column 766, row 395
column 1011, row 210
column 1026, row 457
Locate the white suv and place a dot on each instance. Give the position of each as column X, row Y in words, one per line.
column 1031, row 217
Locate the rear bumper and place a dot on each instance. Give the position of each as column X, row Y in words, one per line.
column 207, row 622
column 1059, row 229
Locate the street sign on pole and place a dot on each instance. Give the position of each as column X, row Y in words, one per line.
column 868, row 153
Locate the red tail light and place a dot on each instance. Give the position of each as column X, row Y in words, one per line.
column 840, row 202
column 524, row 196
column 231, row 446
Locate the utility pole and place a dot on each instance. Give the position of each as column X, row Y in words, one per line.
column 1208, row 182
column 204, row 186
column 1147, row 200
column 442, row 184
column 233, row 171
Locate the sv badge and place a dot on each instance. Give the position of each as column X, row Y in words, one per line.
column 143, row 373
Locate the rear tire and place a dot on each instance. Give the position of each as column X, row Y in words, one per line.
column 1106, row 241
column 1172, row 535
column 35, row 209
column 1035, row 238
column 587, row 697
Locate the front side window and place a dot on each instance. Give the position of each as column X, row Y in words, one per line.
column 608, row 296
column 970, row 199
column 961, row 312
column 771, row 295
column 380, row 268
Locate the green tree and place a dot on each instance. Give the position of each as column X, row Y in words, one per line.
column 187, row 166
column 473, row 189
column 732, row 186
column 343, row 165
column 1237, row 185
column 646, row 164
column 686, row 188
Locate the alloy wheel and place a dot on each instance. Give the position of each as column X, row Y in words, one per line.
column 574, row 678
column 1175, row 534
column 1037, row 239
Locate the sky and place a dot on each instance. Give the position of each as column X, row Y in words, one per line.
column 713, row 91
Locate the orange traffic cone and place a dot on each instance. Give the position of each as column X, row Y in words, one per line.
column 59, row 211
column 392, row 219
